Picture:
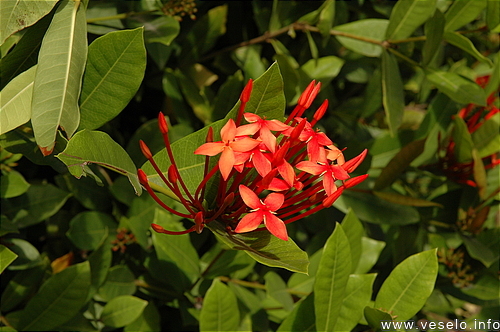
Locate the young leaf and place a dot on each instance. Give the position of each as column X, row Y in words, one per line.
column 462, row 12
column 58, row 79
column 331, row 279
column 59, row 299
column 408, row 15
column 97, row 147
column 220, row 309
column 457, row 87
column 392, row 92
column 16, row 15
column 114, row 71
column 15, row 101
column 406, row 289
column 122, row 310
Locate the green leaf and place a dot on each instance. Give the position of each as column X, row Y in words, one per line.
column 465, row 44
column 37, row 204
column 220, row 309
column 27, row 255
column 88, row 192
column 218, row 261
column 376, row 210
column 463, row 141
column 149, row 320
column 331, row 280
column 493, row 14
column 326, row 18
column 392, row 92
column 375, row 316
column 405, row 200
column 456, row 87
column 176, row 249
column 357, row 295
column 58, row 79
column 494, row 81
column 6, row 257
column 486, row 288
column 433, row 28
column 484, row 246
column 15, row 101
column 369, row 28
column 276, row 289
column 100, row 263
column 462, row 12
column 115, row 69
column 407, row 288
column 305, row 282
column 370, row 253
column 408, row 15
column 99, row 148
column 59, row 299
column 487, row 138
column 204, row 34
column 265, row 248
column 13, row 184
column 119, row 282
column 354, row 231
column 312, row 46
column 16, row 15
column 162, row 30
column 122, row 310
column 302, row 318
column 324, row 69
column 87, row 228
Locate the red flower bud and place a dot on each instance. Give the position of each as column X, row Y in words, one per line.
column 145, row 150
column 355, row 181
column 162, row 123
column 199, row 222
column 305, row 95
column 245, row 94
column 172, row 174
column 327, row 202
column 143, row 178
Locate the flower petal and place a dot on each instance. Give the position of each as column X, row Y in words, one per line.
column 210, row 149
column 249, row 197
column 274, row 201
column 226, row 162
column 276, row 226
column 249, row 222
column 244, row 144
column 261, row 163
column 310, row 167
column 228, row 132
column 329, row 184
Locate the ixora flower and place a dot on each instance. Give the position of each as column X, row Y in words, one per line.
column 271, row 173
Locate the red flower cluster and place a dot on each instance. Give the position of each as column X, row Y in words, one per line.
column 474, row 116
column 296, row 169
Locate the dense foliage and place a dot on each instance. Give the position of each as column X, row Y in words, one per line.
column 414, row 83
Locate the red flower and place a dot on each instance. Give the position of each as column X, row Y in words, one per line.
column 264, row 127
column 262, row 212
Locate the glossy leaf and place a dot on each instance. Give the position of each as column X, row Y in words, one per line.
column 375, row 316
column 406, row 16
column 15, row 101
column 399, row 163
column 433, row 28
column 370, row 253
column 220, row 309
column 88, row 147
column 357, row 295
column 354, row 231
column 122, row 310
column 466, row 45
column 16, row 15
column 58, row 80
column 59, row 299
column 13, row 184
column 368, row 28
column 324, row 69
column 115, row 69
column 39, row 202
column 119, row 282
column 392, row 91
column 302, row 318
column 276, row 288
column 376, row 210
column 87, row 229
column 407, row 288
column 405, row 200
column 6, row 257
column 462, row 12
column 27, row 255
column 457, row 87
column 331, row 280
column 265, row 248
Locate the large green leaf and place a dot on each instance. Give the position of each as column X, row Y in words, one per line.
column 407, row 288
column 433, row 29
column 119, row 282
column 15, row 101
column 354, row 231
column 114, row 72
column 122, row 310
column 220, row 309
column 58, row 80
column 408, row 15
column 95, row 147
column 456, row 87
column 59, row 299
column 276, row 289
column 302, row 318
column 465, row 44
column 392, row 92
column 462, row 12
column 87, row 228
column 331, row 280
column 6, row 257
column 12, row 184
column 149, row 320
column 18, row 14
column 324, row 69
column 100, row 263
column 357, row 295
column 265, row 248
column 369, row 28
column 370, row 253
column 162, row 30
